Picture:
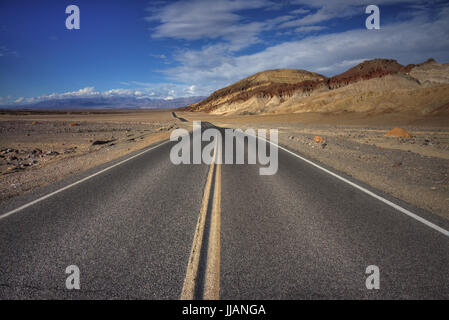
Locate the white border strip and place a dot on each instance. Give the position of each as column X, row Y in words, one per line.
column 372, row 194
column 77, row 182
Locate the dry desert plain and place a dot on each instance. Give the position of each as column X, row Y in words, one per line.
column 39, row 148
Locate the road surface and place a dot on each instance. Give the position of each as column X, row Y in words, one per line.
column 141, row 227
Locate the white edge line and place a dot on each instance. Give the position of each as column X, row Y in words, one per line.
column 77, row 182
column 372, row 194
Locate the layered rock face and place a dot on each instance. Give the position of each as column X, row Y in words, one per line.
column 375, row 86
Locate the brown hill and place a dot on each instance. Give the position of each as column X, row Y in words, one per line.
column 371, row 68
column 366, row 70
column 379, row 85
column 270, row 82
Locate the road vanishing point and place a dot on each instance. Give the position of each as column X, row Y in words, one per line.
column 140, row 227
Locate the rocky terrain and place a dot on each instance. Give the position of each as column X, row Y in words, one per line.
column 412, row 167
column 38, row 148
column 379, row 86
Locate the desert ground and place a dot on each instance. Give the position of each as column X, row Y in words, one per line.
column 414, row 169
column 38, row 148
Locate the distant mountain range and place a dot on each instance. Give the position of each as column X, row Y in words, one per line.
column 373, row 86
column 107, row 103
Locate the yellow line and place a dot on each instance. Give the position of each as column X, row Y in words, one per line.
column 188, row 289
column 212, row 277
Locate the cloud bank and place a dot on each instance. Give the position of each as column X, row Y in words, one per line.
column 144, row 91
column 417, row 36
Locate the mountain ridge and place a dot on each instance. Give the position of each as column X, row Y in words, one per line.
column 290, row 90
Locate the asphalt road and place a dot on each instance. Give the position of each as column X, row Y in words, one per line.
column 298, row 234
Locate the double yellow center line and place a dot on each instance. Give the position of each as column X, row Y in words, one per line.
column 209, row 288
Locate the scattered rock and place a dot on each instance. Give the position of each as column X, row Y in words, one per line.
column 167, row 128
column 398, row 133
column 70, row 150
column 100, row 142
column 318, row 139
column 397, row 164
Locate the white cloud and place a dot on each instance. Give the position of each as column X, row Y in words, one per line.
column 325, row 10
column 192, row 90
column 4, row 51
column 346, row 64
column 307, row 29
column 409, row 42
column 300, row 11
column 82, row 93
column 158, row 56
column 165, row 91
column 205, row 19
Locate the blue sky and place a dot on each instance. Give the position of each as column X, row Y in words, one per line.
column 166, row 49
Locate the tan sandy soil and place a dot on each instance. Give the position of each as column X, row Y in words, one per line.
column 38, row 149
column 415, row 170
